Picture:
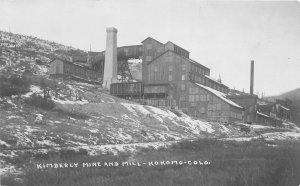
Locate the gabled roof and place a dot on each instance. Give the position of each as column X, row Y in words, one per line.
column 159, row 56
column 190, row 60
column 220, row 95
column 176, row 45
column 152, row 39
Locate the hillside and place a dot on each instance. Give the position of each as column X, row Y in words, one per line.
column 53, row 115
column 294, row 96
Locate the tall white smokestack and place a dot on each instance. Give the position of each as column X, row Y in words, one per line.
column 110, row 65
column 252, row 77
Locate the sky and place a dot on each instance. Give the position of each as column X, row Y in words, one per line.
column 222, row 35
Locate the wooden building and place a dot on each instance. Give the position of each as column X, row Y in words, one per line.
column 187, row 84
column 257, row 111
column 64, row 68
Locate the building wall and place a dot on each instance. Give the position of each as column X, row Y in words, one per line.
column 173, row 69
column 217, row 86
column 65, row 68
column 169, row 46
column 151, row 49
column 204, row 104
column 170, row 69
column 249, row 103
column 56, row 67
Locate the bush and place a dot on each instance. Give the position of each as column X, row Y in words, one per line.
column 13, row 85
column 39, row 101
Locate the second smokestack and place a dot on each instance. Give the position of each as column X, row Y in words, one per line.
column 252, row 77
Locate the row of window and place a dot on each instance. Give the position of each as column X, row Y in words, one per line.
column 126, row 88
column 218, row 114
column 181, row 52
column 193, row 90
column 236, row 115
column 199, row 70
column 170, row 77
column 217, row 87
column 131, row 51
column 214, row 106
column 155, row 89
column 197, row 78
column 170, row 68
column 197, row 97
column 156, row 102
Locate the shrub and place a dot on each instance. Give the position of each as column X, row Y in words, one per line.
column 39, row 101
column 13, row 85
column 74, row 114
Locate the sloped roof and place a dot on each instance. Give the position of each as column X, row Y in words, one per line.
column 177, row 46
column 190, row 60
column 262, row 114
column 220, row 95
column 72, row 63
column 284, row 107
column 194, row 62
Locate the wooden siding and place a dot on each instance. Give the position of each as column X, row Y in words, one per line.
column 204, row 104
column 56, row 67
column 151, row 49
column 59, row 67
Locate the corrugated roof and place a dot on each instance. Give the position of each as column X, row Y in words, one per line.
column 220, row 95
column 193, row 61
column 259, row 113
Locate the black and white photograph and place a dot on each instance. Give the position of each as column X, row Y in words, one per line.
column 149, row 93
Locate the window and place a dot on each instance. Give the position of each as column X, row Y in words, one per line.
column 182, row 98
column 168, row 58
column 191, row 98
column 160, row 49
column 170, row 68
column 148, row 58
column 193, row 104
column 170, row 77
column 182, row 104
column 183, row 67
column 196, row 97
column 155, row 69
column 194, row 90
column 126, row 51
column 182, row 86
column 202, row 111
column 201, row 97
column 183, row 77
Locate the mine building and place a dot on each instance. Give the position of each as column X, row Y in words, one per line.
column 261, row 111
column 67, row 69
column 171, row 79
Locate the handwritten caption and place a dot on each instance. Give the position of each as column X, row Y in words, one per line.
column 121, row 164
